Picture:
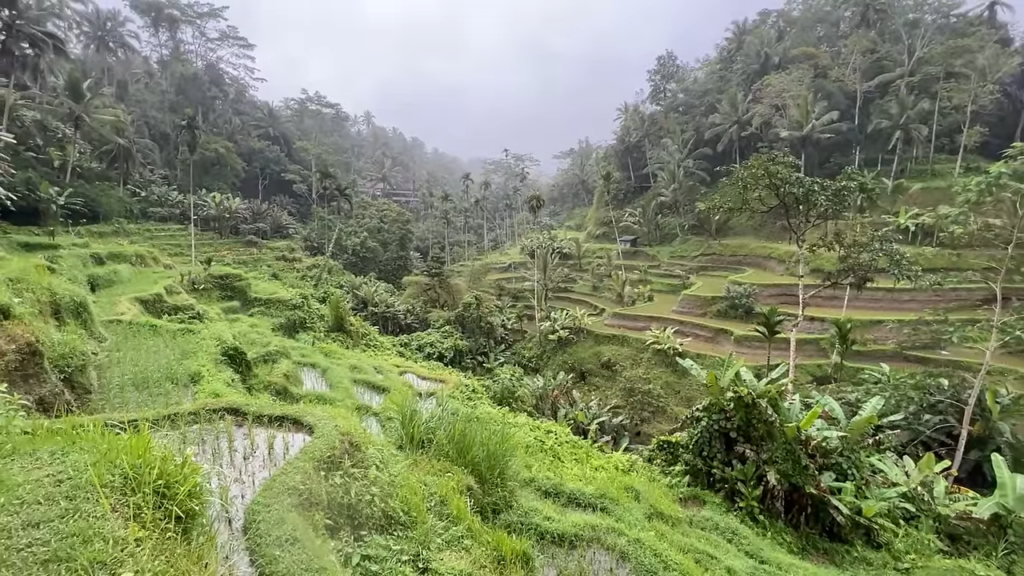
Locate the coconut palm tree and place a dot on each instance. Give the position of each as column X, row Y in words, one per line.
column 769, row 323
column 680, row 153
column 82, row 103
column 902, row 121
column 535, row 203
column 383, row 173
column 485, row 191
column 190, row 134
column 809, row 123
column 447, row 202
column 733, row 122
column 990, row 9
column 272, row 126
column 25, row 32
column 126, row 153
column 467, row 182
column 106, row 34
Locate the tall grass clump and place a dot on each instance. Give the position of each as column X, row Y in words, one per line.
column 485, row 448
column 154, row 488
column 339, row 315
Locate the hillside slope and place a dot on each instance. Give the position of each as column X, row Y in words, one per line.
column 354, row 459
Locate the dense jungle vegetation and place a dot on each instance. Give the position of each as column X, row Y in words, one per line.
column 773, row 326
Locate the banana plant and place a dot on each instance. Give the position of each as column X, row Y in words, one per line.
column 734, row 373
column 809, row 423
column 1008, row 497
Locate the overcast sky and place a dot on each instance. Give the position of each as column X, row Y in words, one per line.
column 474, row 76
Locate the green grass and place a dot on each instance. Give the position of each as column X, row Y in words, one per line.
column 147, row 366
column 463, row 489
column 54, row 519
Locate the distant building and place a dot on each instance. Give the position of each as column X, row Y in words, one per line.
column 404, row 198
column 629, row 242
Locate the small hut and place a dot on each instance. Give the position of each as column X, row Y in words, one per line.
column 629, row 242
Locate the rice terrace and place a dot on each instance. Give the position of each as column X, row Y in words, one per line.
column 771, row 324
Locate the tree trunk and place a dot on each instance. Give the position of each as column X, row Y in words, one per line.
column 963, row 138
column 71, row 158
column 856, row 127
column 993, row 343
column 794, row 329
column 9, row 102
column 896, row 162
column 632, row 179
column 768, row 359
column 737, row 152
column 803, row 161
column 192, row 215
column 447, row 251
column 1020, row 126
column 485, row 231
column 935, row 121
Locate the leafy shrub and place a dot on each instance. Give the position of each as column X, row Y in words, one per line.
column 508, row 387
column 103, row 278
column 237, row 360
column 562, row 325
column 486, row 327
column 442, row 344
column 738, row 302
column 339, row 315
column 253, row 242
column 807, row 464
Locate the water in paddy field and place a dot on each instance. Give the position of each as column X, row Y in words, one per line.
column 313, row 380
column 237, row 459
column 421, row 385
column 597, row 561
column 369, row 397
column 372, row 425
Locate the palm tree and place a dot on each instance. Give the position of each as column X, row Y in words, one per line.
column 485, row 191
column 190, row 134
column 680, row 153
column 535, row 203
column 25, row 31
column 83, row 104
column 107, row 35
column 467, row 181
column 446, row 215
column 125, row 152
column 843, row 341
column 579, row 250
column 732, row 122
column 27, row 34
column 990, row 9
column 383, row 173
column 903, row 113
column 269, row 124
column 809, row 123
column 769, row 323
column 367, row 120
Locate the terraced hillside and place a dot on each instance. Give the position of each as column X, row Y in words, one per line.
column 221, row 425
column 688, row 282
